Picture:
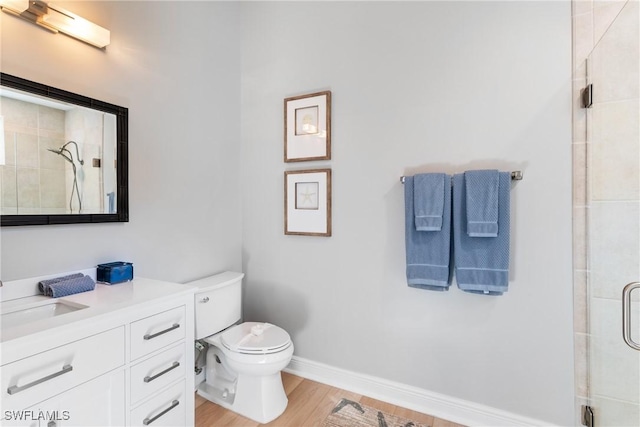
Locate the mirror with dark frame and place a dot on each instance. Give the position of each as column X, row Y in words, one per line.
column 63, row 156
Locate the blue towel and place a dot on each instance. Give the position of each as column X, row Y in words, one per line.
column 427, row 253
column 482, row 202
column 482, row 265
column 44, row 285
column 112, row 202
column 72, row 286
column 428, row 200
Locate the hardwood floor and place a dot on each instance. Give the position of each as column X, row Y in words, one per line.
column 310, row 403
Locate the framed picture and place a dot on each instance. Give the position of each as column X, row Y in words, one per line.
column 307, row 202
column 307, row 127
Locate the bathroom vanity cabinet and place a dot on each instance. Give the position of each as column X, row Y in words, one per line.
column 124, row 359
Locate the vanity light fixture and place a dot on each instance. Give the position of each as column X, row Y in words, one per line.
column 57, row 19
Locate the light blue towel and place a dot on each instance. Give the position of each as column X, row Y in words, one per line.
column 427, row 253
column 428, row 200
column 481, row 265
column 112, row 202
column 72, row 286
column 482, row 202
column 44, row 285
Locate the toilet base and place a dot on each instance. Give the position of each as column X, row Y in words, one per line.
column 260, row 398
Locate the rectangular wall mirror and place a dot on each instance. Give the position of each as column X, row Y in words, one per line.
column 63, row 156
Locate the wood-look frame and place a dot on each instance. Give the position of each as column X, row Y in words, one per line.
column 307, row 222
column 303, row 147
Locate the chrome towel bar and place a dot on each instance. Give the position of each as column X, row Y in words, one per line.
column 515, row 176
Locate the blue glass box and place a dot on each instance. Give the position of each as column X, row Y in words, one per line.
column 114, row 272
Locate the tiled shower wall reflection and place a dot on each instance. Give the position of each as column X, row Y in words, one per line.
column 86, row 126
column 35, row 180
column 605, row 154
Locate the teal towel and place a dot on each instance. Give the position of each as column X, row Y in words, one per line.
column 482, row 187
column 481, row 265
column 428, row 253
column 428, row 200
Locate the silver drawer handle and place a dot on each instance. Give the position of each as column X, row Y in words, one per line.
column 157, row 334
column 15, row 389
column 205, row 299
column 148, row 421
column 626, row 315
column 170, row 368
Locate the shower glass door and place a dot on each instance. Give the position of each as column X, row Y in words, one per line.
column 613, row 178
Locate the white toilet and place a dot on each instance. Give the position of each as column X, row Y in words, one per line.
column 243, row 361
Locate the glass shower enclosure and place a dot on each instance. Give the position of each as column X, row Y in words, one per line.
column 613, row 205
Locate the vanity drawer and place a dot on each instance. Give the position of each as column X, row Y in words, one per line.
column 166, row 409
column 97, row 403
column 38, row 377
column 157, row 372
column 157, row 331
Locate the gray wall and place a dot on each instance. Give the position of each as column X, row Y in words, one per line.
column 419, row 86
column 177, row 68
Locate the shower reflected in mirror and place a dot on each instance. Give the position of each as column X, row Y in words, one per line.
column 65, row 156
column 68, row 156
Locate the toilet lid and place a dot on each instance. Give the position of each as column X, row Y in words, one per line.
column 255, row 338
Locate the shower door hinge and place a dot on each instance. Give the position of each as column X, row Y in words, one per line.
column 588, row 418
column 587, row 96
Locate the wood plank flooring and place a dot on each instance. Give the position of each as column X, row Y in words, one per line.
column 310, row 403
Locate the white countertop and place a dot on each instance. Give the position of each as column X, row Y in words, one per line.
column 102, row 301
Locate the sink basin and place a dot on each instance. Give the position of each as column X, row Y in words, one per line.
column 38, row 311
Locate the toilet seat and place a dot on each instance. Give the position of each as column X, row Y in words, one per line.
column 255, row 338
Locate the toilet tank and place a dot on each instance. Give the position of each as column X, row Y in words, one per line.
column 218, row 302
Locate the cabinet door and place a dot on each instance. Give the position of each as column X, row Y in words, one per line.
column 99, row 402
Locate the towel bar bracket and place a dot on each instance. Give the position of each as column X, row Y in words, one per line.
column 516, row 176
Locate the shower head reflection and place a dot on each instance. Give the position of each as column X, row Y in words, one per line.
column 68, row 156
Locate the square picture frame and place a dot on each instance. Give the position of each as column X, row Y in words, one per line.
column 307, row 127
column 307, row 202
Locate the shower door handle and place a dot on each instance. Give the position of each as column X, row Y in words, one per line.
column 626, row 314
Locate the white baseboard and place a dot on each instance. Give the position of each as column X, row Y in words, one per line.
column 414, row 398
